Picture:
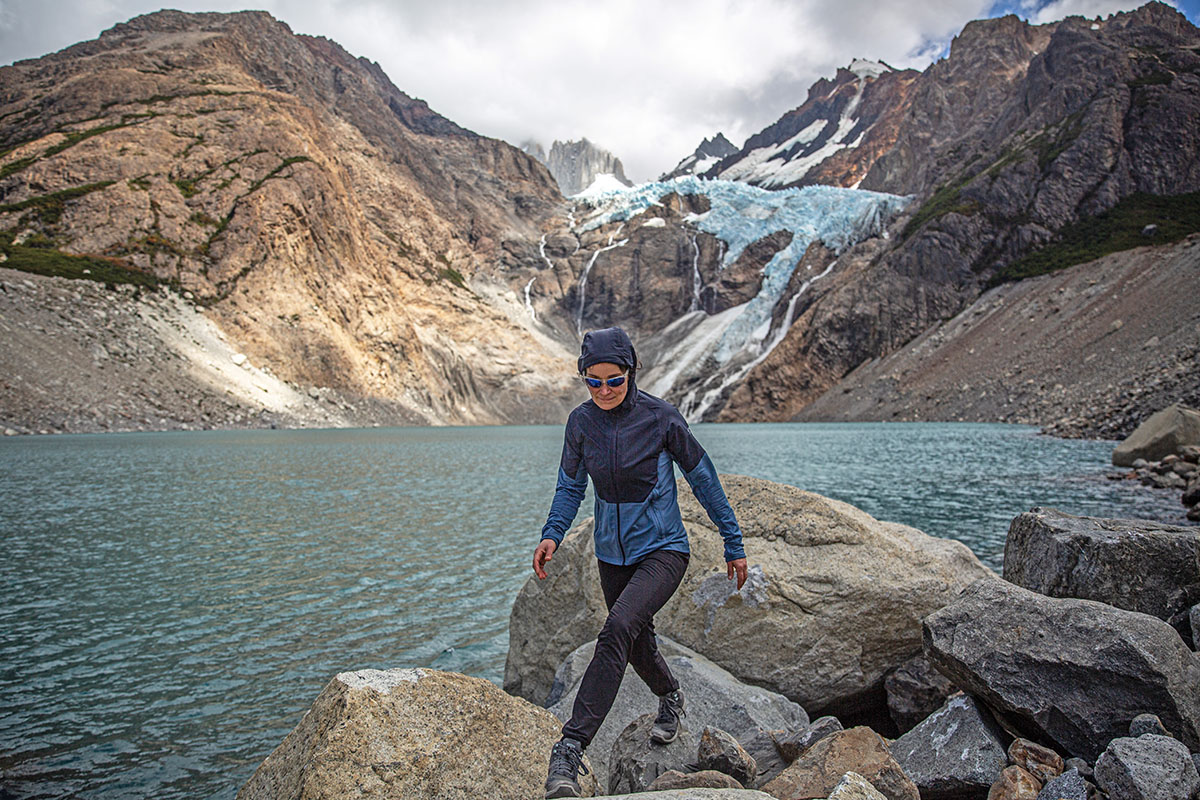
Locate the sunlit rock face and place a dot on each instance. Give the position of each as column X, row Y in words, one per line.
column 332, row 226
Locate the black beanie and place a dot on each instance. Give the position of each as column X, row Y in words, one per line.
column 609, row 345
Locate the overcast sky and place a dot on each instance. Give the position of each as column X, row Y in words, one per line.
column 647, row 80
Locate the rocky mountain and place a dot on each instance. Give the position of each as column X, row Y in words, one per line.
column 703, row 158
column 833, row 138
column 1025, row 141
column 1025, row 138
column 575, row 165
column 329, row 224
column 381, row 260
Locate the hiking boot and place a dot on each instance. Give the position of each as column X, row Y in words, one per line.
column 566, row 761
column 666, row 725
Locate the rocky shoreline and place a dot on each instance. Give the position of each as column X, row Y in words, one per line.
column 934, row 677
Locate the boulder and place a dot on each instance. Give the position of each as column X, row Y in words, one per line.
column 635, row 761
column 720, row 751
column 712, row 697
column 704, row 779
column 853, row 786
column 1080, row 766
column 955, row 752
column 1164, row 433
column 1068, row 786
column 1015, row 783
column 861, row 750
column 1147, row 768
column 1194, row 622
column 411, row 733
column 1040, row 762
column 793, row 745
column 833, row 602
column 1137, row 565
column 694, row 794
column 914, row 691
column 1074, row 672
column 1191, row 494
column 1146, row 723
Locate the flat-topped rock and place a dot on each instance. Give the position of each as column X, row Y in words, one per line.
column 410, row 734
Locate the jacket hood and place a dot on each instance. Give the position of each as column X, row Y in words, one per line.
column 608, row 345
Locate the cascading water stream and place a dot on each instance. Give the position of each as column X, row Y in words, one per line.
column 528, row 303
column 583, row 278
column 696, row 283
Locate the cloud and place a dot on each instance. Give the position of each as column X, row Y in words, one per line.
column 647, row 80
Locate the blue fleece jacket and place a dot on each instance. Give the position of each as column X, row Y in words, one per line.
column 629, row 453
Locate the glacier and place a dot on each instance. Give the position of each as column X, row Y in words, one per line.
column 723, row 348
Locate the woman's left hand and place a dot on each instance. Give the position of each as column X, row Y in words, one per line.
column 738, row 565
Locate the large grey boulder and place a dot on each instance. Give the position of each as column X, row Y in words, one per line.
column 712, row 697
column 957, row 751
column 636, row 762
column 1163, row 433
column 1075, row 672
column 833, row 602
column 1138, row 565
column 1147, row 768
column 410, row 734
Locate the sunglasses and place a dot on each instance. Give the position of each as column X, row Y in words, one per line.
column 596, row 383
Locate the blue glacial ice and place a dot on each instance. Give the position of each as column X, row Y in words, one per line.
column 741, row 214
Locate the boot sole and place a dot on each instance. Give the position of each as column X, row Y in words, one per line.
column 561, row 789
column 662, row 739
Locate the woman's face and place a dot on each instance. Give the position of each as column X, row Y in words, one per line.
column 607, row 397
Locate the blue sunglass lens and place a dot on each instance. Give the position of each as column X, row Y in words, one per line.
column 596, row 383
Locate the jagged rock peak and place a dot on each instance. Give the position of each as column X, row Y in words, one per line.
column 575, row 165
column 533, row 148
column 833, row 138
column 703, row 158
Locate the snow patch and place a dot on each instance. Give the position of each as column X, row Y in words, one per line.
column 865, row 68
column 604, row 182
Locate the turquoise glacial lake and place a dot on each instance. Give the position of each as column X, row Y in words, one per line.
column 171, row 603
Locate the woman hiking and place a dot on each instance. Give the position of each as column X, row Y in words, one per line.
column 628, row 442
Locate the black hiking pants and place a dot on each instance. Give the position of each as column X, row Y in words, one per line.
column 633, row 594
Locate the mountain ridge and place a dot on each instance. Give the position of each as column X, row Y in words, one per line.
column 350, row 240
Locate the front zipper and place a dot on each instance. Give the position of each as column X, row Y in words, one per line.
column 616, row 485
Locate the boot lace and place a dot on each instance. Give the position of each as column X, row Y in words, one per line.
column 669, row 708
column 566, row 760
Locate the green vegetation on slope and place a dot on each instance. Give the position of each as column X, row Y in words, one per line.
column 47, row 261
column 1119, row 228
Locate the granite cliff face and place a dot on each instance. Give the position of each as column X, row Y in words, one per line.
column 576, row 164
column 331, row 225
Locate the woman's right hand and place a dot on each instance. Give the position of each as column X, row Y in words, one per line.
column 545, row 552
